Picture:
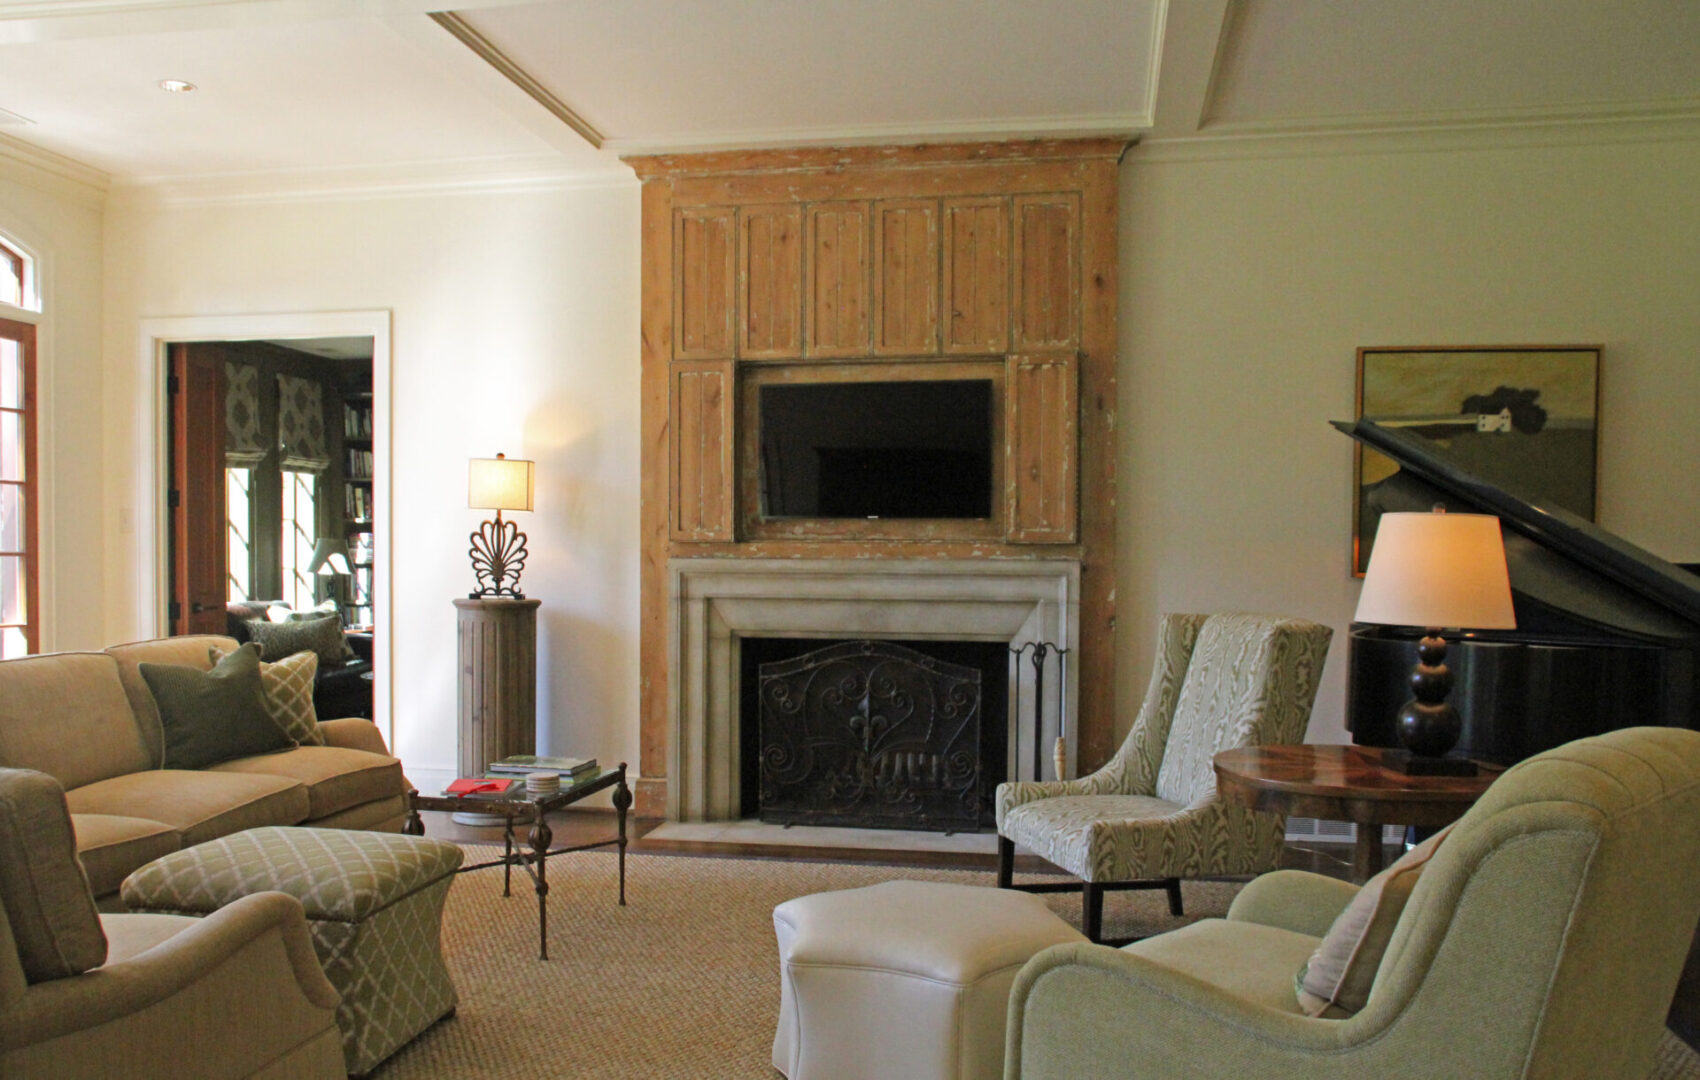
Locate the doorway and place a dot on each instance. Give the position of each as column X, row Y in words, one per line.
column 362, row 598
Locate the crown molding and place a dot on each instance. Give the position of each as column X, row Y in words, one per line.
column 1126, row 125
column 35, row 167
column 1429, row 133
column 512, row 173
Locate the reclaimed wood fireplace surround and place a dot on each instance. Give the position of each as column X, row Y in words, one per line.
column 992, row 261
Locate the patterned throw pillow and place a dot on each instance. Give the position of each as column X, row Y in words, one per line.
column 1336, row 981
column 289, row 693
column 213, row 716
column 321, row 636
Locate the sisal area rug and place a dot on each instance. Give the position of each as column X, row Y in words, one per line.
column 683, row 983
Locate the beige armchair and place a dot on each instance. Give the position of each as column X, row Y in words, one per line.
column 1151, row 816
column 83, row 995
column 1543, row 940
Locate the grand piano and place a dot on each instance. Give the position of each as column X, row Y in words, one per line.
column 1608, row 635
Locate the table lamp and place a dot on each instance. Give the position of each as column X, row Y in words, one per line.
column 330, row 557
column 498, row 547
column 1436, row 571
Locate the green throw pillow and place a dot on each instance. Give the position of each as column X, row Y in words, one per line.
column 213, row 716
column 322, row 636
column 324, row 612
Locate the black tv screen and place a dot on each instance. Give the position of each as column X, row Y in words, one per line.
column 877, row 449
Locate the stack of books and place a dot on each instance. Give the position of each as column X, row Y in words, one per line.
column 525, row 764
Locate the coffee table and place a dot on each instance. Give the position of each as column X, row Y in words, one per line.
column 1346, row 783
column 520, row 807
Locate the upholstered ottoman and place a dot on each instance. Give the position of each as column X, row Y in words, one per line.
column 374, row 906
column 903, row 980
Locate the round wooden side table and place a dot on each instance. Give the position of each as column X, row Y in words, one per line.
column 1346, row 783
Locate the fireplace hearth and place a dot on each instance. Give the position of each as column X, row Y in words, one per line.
column 875, row 734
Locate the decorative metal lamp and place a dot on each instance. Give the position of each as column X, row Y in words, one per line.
column 498, row 547
column 1433, row 571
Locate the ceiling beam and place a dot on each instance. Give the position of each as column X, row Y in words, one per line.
column 23, row 21
column 487, row 51
column 1194, row 33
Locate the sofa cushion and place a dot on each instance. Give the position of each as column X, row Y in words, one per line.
column 213, row 716
column 335, row 779
column 322, row 636
column 1250, row 961
column 51, row 704
column 289, row 694
column 190, row 651
column 199, row 804
column 111, row 845
column 55, row 926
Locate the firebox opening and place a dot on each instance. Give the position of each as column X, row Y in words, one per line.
column 868, row 778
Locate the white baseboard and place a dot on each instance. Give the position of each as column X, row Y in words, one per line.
column 1313, row 831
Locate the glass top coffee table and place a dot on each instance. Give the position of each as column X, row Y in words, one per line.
column 520, row 807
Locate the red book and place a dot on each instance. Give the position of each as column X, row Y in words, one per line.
column 477, row 785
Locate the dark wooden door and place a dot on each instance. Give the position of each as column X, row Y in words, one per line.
column 198, row 573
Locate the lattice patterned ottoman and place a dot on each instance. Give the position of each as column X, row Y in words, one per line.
column 374, row 905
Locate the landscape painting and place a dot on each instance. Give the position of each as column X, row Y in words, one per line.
column 1523, row 418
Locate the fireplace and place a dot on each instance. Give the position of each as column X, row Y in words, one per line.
column 873, row 733
column 721, row 607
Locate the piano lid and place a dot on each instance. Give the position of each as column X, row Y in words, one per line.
column 1562, row 565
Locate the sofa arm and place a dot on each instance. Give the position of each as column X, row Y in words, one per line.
column 1294, row 900
column 1089, row 1010
column 353, row 733
column 254, row 950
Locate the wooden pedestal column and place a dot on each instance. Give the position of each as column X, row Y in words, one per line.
column 498, row 680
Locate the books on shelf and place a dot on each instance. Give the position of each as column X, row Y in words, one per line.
column 359, row 464
column 356, row 422
column 521, row 764
column 357, row 503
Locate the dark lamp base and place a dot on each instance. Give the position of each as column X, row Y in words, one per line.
column 1410, row 764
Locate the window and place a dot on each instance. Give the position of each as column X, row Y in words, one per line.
column 20, row 621
column 300, row 534
column 12, row 269
column 239, row 531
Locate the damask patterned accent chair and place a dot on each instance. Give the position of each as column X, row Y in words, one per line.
column 1151, row 816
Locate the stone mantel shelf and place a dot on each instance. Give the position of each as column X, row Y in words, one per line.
column 713, row 603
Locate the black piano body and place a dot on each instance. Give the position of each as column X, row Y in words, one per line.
column 1608, row 635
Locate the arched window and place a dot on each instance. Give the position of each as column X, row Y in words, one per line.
column 20, row 617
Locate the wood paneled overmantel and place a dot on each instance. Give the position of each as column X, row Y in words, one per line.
column 992, row 261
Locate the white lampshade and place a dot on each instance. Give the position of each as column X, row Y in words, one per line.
column 499, row 483
column 330, row 556
column 1438, row 570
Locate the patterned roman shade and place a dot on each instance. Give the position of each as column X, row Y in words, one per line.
column 244, row 442
column 301, row 425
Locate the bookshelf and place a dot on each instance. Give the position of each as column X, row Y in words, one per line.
column 357, row 493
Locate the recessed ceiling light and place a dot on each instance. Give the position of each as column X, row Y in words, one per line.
column 176, row 86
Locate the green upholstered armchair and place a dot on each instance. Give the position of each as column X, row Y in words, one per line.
column 1543, row 940
column 1151, row 816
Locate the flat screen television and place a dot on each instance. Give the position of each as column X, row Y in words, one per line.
column 920, row 449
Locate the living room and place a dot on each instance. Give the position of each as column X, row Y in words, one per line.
column 1300, row 184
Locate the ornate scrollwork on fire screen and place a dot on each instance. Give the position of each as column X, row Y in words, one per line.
column 870, row 733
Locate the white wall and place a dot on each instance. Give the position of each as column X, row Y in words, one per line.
column 515, row 330
column 58, row 222
column 1248, row 284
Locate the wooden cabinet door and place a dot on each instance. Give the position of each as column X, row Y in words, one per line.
column 976, row 276
column 704, row 283
column 835, row 294
column 906, row 277
column 1047, row 272
column 770, row 313
column 701, row 408
column 198, row 542
column 1042, row 441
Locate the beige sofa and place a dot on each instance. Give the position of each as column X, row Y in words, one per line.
column 88, row 720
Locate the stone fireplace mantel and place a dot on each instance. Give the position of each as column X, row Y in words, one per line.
column 713, row 603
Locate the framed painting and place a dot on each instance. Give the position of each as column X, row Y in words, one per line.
column 1524, row 418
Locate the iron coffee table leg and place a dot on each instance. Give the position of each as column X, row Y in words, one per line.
column 622, row 803
column 540, row 837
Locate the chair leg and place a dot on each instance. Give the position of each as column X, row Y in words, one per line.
column 1092, row 916
column 1173, row 885
column 1006, row 862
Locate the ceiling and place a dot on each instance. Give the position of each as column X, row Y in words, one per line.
column 318, row 91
